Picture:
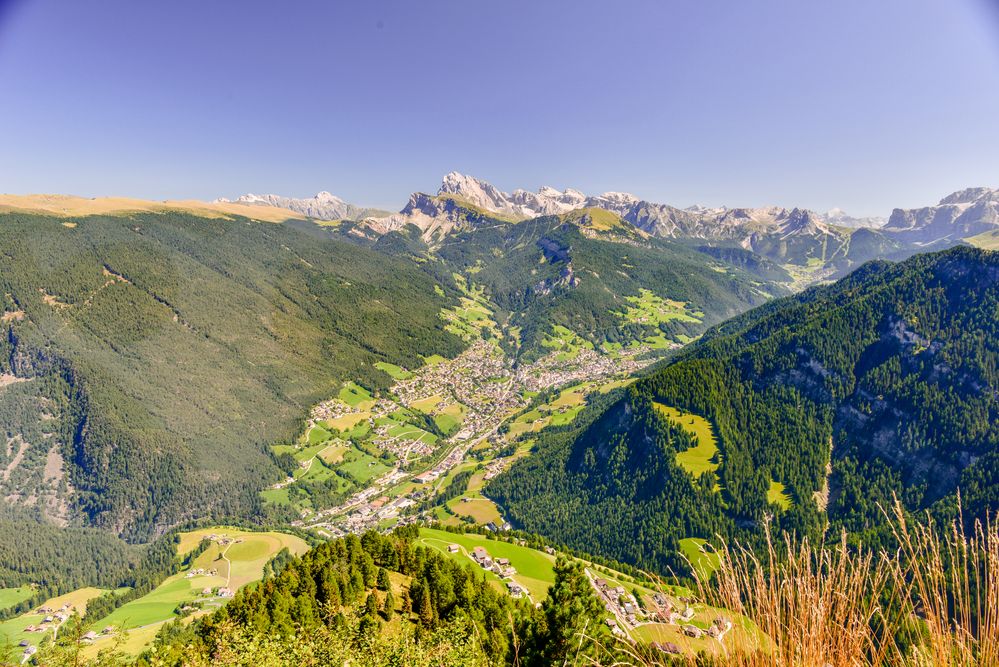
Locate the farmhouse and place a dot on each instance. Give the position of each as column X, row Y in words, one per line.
column 516, row 590
column 667, row 647
column 692, row 631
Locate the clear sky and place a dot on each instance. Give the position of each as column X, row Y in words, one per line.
column 861, row 104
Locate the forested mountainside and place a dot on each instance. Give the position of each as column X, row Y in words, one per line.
column 820, row 405
column 146, row 360
column 585, row 272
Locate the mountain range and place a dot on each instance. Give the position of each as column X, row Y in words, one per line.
column 813, row 245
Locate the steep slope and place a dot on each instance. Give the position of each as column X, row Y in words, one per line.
column 887, row 376
column 148, row 359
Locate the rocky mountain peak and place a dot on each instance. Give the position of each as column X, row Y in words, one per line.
column 969, row 196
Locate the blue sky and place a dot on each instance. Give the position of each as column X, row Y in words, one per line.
column 864, row 105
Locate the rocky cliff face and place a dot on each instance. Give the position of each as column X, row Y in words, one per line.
column 959, row 215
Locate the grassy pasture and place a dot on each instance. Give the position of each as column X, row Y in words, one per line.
column 566, row 344
column 481, row 510
column 318, row 434
column 348, row 421
column 702, row 559
column 699, row 459
column 778, row 495
column 12, row 630
column 397, row 372
column 362, row 466
column 650, row 308
column 356, row 396
column 450, row 417
column 11, row 596
column 243, row 562
column 333, row 454
column 534, row 568
column 427, row 404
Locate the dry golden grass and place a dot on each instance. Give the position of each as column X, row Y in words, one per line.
column 834, row 605
column 70, row 206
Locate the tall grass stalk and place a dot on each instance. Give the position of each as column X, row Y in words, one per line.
column 839, row 605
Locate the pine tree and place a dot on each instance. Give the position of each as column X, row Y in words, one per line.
column 383, row 579
column 388, row 606
column 426, row 610
column 570, row 610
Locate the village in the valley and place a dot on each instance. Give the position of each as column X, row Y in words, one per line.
column 485, row 390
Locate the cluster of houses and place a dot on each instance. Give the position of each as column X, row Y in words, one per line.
column 201, row 572
column 62, row 615
column 625, row 609
column 52, row 618
column 221, row 591
column 667, row 647
column 501, row 567
column 618, row 602
column 550, row 371
column 489, row 386
column 496, row 466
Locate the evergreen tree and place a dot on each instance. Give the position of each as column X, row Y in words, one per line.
column 383, row 579
column 388, row 606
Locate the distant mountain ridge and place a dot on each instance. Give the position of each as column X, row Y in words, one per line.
column 463, row 200
column 813, row 246
column 323, row 206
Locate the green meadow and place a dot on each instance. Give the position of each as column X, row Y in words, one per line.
column 11, row 596
column 702, row 458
